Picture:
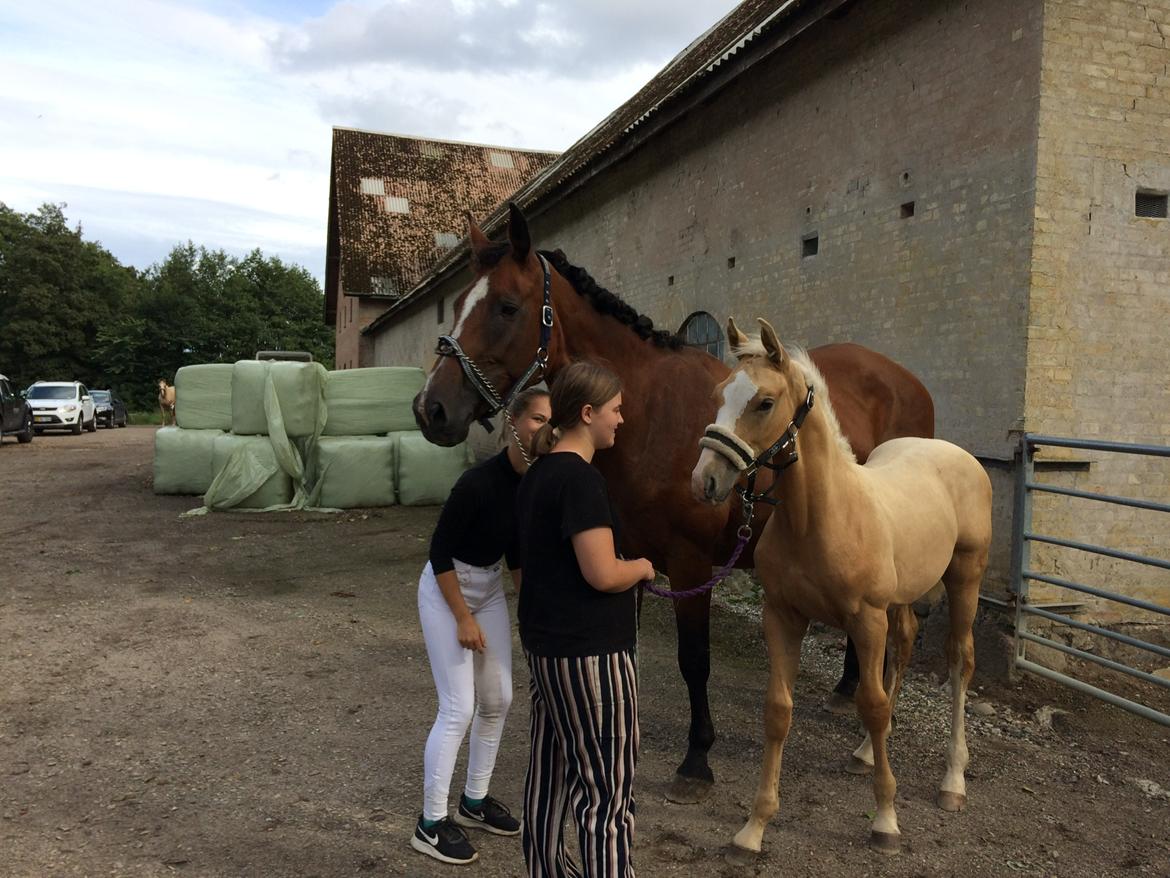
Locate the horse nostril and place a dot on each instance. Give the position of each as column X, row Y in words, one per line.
column 436, row 413
column 710, row 486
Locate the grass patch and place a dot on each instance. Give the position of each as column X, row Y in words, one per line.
column 140, row 418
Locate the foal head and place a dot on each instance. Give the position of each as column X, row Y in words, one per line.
column 756, row 405
column 497, row 322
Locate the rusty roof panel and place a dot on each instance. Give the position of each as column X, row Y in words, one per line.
column 395, row 196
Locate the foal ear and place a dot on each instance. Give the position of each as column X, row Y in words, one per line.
column 771, row 342
column 518, row 235
column 735, row 338
column 479, row 241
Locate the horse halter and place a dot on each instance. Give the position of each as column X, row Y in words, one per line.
column 739, row 454
column 449, row 347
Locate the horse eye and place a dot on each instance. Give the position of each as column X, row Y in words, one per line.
column 765, row 405
column 508, row 308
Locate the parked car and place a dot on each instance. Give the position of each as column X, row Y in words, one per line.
column 109, row 411
column 61, row 405
column 16, row 415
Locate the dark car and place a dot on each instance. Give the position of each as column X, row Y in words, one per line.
column 15, row 414
column 108, row 410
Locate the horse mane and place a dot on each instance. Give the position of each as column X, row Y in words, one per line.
column 755, row 348
column 605, row 302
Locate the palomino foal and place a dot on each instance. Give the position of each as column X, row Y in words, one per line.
column 851, row 546
column 166, row 401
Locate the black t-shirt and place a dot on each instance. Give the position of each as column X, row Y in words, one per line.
column 478, row 521
column 560, row 613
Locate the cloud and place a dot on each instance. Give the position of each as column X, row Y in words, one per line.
column 580, row 40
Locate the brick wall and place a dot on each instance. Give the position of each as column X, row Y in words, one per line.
column 1099, row 308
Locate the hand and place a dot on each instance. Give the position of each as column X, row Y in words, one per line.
column 469, row 634
column 647, row 570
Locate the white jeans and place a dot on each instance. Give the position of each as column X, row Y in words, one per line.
column 475, row 689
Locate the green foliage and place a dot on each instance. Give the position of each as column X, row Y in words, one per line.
column 70, row 311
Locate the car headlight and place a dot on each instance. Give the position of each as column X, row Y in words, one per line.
column 69, row 408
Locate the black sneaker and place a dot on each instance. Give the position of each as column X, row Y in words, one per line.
column 444, row 841
column 489, row 815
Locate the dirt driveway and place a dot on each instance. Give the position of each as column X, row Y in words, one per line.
column 247, row 695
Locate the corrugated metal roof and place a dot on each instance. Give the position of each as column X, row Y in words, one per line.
column 726, row 39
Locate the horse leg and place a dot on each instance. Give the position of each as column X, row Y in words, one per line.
column 873, row 704
column 903, row 624
column 693, row 779
column 783, row 631
column 962, row 583
column 840, row 700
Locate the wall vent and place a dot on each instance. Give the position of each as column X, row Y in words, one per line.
column 1150, row 204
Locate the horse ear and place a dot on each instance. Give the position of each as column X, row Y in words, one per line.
column 771, row 342
column 518, row 233
column 479, row 241
column 736, row 338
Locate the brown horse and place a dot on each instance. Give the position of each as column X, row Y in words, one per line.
column 852, row 546
column 500, row 321
column 166, row 401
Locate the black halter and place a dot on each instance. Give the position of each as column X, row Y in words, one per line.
column 750, row 466
column 449, row 347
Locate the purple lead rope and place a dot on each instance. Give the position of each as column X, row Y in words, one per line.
column 745, row 535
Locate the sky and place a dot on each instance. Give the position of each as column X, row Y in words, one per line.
column 156, row 123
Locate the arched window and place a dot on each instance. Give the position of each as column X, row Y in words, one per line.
column 702, row 331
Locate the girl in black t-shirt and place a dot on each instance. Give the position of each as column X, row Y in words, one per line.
column 577, row 624
column 468, row 635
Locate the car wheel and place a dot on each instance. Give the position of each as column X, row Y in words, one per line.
column 25, row 435
column 92, row 425
column 76, row 428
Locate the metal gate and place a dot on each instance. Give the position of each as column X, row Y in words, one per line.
column 1023, row 536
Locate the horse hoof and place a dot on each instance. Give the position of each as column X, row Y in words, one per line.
column 741, row 857
column 885, row 842
column 840, row 705
column 688, row 790
column 858, row 766
column 952, row 802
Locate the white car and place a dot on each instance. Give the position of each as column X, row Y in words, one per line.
column 61, row 405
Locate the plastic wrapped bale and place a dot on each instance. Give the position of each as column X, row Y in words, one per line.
column 247, row 475
column 362, row 402
column 300, row 391
column 203, row 397
column 354, row 472
column 426, row 472
column 183, row 460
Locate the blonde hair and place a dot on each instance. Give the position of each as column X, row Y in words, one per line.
column 582, row 383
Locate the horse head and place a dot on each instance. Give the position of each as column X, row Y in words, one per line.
column 497, row 329
column 756, row 403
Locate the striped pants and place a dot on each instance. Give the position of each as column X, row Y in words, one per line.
column 584, row 750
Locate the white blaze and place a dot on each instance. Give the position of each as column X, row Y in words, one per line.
column 736, row 396
column 474, row 297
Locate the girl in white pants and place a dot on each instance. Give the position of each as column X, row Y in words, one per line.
column 465, row 623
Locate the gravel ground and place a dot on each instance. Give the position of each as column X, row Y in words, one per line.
column 245, row 695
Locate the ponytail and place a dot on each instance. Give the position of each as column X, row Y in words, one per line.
column 582, row 383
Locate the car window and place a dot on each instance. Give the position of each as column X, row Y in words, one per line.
column 40, row 391
column 5, row 390
column 100, row 395
column 81, row 391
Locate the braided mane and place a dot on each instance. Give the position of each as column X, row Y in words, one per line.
column 605, row 302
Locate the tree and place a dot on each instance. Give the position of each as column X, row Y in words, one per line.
column 70, row 311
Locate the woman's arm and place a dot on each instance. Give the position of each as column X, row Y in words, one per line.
column 600, row 565
column 469, row 634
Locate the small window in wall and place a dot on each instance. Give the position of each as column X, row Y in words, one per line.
column 383, row 286
column 395, row 204
column 701, row 330
column 351, row 310
column 446, row 240
column 908, row 210
column 373, row 186
column 810, row 245
column 439, row 309
column 1150, row 204
column 501, row 160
